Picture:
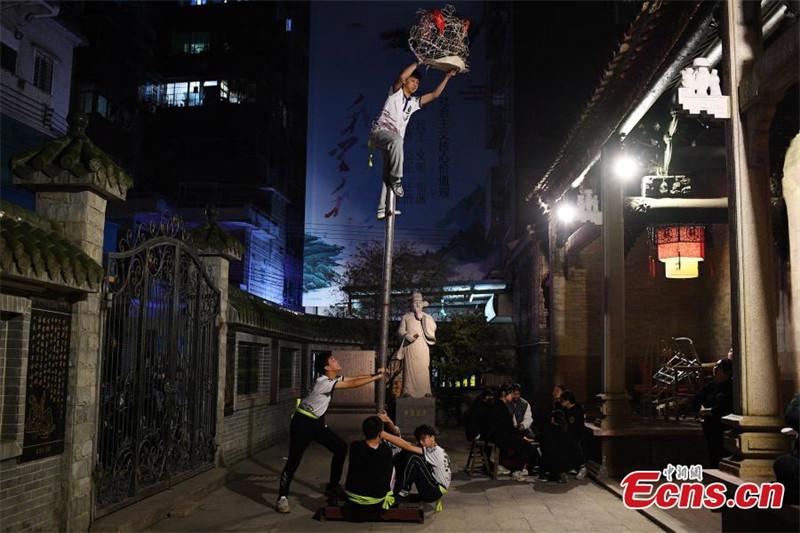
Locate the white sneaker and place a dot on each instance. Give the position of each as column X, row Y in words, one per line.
column 524, row 472
column 282, row 505
column 501, row 470
column 581, row 473
column 519, row 475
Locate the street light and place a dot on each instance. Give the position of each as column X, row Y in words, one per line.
column 565, row 212
column 626, row 167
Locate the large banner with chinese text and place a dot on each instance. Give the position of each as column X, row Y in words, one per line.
column 357, row 52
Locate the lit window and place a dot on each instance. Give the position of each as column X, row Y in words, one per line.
column 177, row 94
column 288, row 25
column 198, row 43
column 195, row 96
column 43, row 72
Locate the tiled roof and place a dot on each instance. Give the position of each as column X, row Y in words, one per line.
column 248, row 310
column 645, row 48
column 210, row 238
column 33, row 248
column 71, row 161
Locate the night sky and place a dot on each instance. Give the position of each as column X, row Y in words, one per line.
column 559, row 49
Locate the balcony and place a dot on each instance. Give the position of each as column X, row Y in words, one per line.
column 23, row 101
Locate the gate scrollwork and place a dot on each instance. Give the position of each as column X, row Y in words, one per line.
column 159, row 366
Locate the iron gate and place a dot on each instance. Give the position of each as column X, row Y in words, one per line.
column 158, row 394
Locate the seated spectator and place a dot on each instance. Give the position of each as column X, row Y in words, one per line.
column 787, row 467
column 712, row 402
column 424, row 465
column 370, row 474
column 503, row 432
column 477, row 424
column 557, row 391
column 559, row 451
column 521, row 412
column 573, row 414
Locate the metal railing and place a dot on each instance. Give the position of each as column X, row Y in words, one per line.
column 22, row 100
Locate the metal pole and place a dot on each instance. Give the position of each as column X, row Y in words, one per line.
column 386, row 292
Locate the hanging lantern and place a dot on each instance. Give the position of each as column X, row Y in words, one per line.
column 680, row 248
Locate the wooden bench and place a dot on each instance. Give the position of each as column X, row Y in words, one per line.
column 406, row 511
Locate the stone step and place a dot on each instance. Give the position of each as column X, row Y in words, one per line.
column 181, row 499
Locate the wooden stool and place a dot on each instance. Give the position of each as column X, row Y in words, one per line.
column 476, row 457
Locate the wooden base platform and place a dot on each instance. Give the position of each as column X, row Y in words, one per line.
column 405, row 512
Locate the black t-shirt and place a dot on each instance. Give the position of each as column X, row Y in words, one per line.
column 370, row 470
column 574, row 416
column 501, row 424
column 716, row 395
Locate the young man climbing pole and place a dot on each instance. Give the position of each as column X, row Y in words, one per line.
column 389, row 128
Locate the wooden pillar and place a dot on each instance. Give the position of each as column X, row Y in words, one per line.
column 616, row 401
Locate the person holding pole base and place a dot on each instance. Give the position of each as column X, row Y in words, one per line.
column 308, row 424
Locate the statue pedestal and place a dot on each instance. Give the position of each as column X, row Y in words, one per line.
column 412, row 412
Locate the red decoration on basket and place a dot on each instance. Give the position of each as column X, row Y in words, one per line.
column 438, row 19
column 466, row 27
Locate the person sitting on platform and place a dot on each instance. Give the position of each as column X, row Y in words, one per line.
column 370, row 474
column 521, row 412
column 714, row 401
column 503, row 432
column 425, row 465
column 573, row 414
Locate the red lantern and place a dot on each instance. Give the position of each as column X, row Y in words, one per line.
column 681, row 248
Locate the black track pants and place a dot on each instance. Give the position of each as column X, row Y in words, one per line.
column 302, row 431
column 412, row 469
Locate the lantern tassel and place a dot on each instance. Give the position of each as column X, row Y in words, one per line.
column 652, row 267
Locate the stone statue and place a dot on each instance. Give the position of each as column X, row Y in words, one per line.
column 417, row 331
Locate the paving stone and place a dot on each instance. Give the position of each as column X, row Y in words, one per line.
column 477, row 504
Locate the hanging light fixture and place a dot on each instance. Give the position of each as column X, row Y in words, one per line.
column 680, row 248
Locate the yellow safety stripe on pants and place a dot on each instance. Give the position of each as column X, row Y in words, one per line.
column 439, row 501
column 387, row 500
column 304, row 412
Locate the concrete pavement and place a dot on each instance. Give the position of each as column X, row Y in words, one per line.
column 246, row 501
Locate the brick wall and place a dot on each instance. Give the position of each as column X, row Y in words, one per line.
column 660, row 308
column 261, row 419
column 14, row 332
column 577, row 323
column 254, row 427
column 30, row 495
column 656, row 308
